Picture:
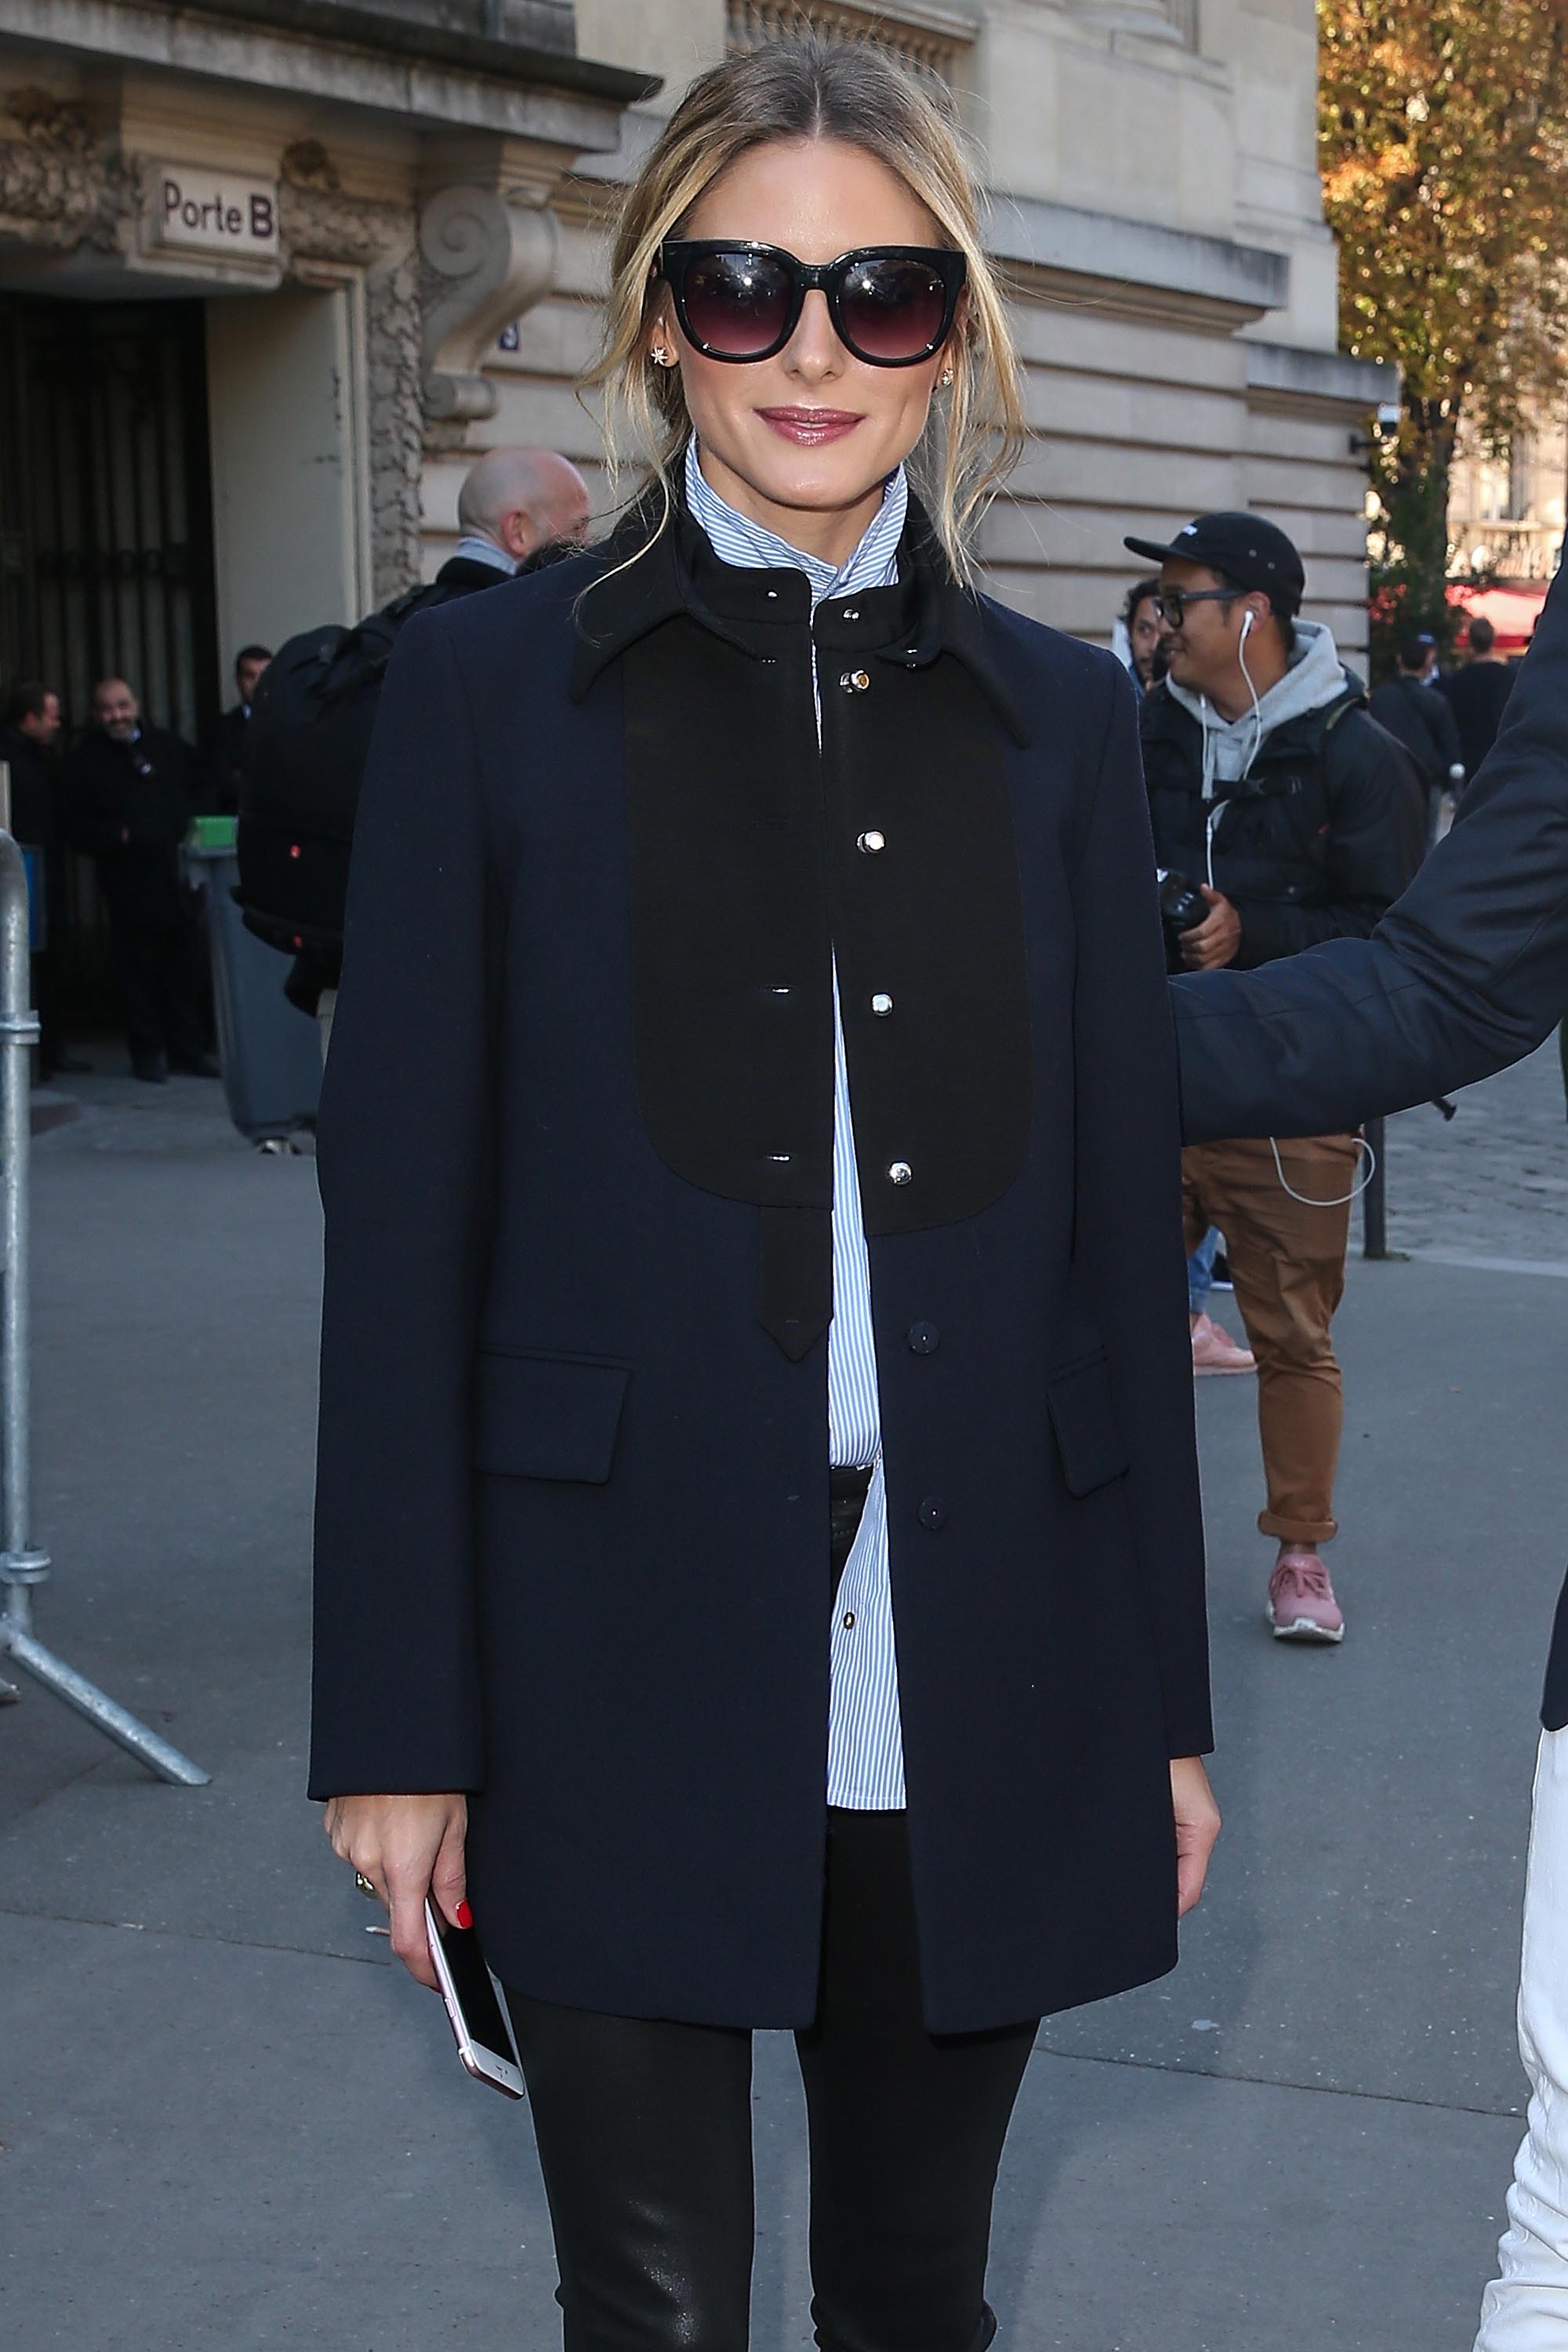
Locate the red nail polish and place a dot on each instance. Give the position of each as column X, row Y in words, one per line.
column 465, row 1915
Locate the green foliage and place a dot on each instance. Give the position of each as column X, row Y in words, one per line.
column 1443, row 141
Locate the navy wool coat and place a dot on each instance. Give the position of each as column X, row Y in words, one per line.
column 575, row 1149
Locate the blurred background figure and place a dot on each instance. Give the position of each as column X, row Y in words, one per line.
column 29, row 742
column 228, row 752
column 1136, row 638
column 513, row 504
column 1477, row 693
column 127, row 793
column 1424, row 722
column 316, row 707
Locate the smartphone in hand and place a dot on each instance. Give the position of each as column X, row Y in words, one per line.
column 476, row 2004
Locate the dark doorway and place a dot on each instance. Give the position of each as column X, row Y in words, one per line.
column 106, row 546
column 106, row 504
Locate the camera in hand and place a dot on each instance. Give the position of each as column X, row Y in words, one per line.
column 1183, row 906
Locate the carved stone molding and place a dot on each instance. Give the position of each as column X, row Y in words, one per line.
column 58, row 187
column 484, row 261
column 320, row 224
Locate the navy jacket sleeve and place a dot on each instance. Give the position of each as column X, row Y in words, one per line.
column 1129, row 1182
column 403, row 1154
column 1467, row 971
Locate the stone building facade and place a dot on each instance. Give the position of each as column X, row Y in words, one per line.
column 272, row 271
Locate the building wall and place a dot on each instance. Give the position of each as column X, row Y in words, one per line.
column 435, row 285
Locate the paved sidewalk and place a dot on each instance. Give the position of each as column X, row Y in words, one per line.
column 1493, row 1181
column 228, row 2123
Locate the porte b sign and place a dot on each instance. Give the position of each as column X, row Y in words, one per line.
column 191, row 211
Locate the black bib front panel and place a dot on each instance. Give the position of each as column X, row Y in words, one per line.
column 756, row 860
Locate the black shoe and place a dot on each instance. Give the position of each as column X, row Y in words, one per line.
column 150, row 1067
column 198, row 1067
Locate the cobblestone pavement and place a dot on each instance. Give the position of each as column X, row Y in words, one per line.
column 1491, row 1183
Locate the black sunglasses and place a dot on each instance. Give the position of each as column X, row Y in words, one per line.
column 891, row 305
column 1172, row 603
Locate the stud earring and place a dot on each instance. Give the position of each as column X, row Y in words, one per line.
column 660, row 357
column 947, row 375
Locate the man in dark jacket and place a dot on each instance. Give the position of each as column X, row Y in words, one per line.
column 1410, row 707
column 228, row 753
column 1477, row 693
column 517, row 507
column 1468, row 972
column 127, row 793
column 28, row 734
column 1273, row 790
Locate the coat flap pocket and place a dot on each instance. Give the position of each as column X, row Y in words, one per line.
column 1088, row 1426
column 547, row 1417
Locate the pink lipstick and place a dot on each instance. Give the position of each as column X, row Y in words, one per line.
column 811, row 428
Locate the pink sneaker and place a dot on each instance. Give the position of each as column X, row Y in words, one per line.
column 1301, row 1604
column 1213, row 1350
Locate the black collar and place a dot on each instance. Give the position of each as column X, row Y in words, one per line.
column 649, row 576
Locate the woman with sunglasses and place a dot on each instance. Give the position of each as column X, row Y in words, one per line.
column 758, row 1562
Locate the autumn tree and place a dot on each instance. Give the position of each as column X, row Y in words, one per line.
column 1443, row 139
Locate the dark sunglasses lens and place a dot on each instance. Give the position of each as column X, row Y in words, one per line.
column 736, row 303
column 892, row 308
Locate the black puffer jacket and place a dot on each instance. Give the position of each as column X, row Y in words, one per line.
column 1319, row 840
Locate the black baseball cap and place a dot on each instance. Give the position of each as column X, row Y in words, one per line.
column 1246, row 549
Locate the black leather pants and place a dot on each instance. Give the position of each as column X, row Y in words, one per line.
column 645, row 2139
column 645, row 2136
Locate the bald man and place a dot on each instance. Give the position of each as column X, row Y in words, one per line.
column 514, row 503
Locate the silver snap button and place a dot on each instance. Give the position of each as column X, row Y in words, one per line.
column 881, row 1005
column 855, row 681
column 899, row 1172
column 870, row 844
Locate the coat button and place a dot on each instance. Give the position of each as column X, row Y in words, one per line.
column 899, row 1172
column 855, row 681
column 933, row 1512
column 924, row 1339
column 881, row 1005
column 870, row 844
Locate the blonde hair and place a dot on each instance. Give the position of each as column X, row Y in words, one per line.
column 815, row 89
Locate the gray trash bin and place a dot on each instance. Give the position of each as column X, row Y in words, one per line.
column 270, row 1052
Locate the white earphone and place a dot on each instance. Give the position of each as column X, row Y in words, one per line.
column 1246, row 621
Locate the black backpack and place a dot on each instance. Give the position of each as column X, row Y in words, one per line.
column 311, row 728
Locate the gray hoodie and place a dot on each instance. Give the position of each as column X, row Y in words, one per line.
column 1316, row 677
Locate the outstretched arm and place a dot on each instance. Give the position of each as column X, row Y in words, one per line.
column 1467, row 973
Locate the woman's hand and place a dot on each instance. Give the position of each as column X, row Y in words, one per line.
column 407, row 1847
column 1197, row 1826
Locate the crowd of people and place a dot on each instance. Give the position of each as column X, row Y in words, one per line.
column 123, row 791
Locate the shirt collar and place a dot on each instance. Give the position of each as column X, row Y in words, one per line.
column 479, row 550
column 659, row 565
column 752, row 546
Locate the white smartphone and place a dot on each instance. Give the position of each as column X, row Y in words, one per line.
column 476, row 2004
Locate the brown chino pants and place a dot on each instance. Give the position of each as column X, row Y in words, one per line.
column 1287, row 1262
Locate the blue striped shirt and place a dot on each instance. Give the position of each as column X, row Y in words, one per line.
column 865, row 1745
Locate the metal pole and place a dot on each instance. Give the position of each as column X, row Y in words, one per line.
column 21, row 1565
column 1375, row 1200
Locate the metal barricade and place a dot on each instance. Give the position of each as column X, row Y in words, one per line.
column 23, row 1567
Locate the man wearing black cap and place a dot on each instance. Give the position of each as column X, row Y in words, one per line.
column 1290, row 816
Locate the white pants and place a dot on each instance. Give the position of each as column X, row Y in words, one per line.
column 1526, row 2309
